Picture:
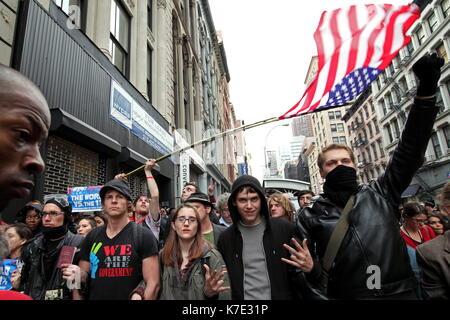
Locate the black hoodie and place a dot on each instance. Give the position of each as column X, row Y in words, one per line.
column 247, row 181
column 277, row 232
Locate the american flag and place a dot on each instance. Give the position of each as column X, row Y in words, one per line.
column 354, row 46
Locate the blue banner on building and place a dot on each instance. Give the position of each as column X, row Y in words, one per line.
column 243, row 169
column 85, row 199
column 121, row 104
column 126, row 111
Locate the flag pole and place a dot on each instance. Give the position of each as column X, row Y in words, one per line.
column 210, row 139
column 223, row 134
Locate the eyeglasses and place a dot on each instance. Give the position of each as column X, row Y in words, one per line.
column 184, row 219
column 52, row 213
column 37, row 217
column 419, row 220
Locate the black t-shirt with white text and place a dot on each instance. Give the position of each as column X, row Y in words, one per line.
column 115, row 266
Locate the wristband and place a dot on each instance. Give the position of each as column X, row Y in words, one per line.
column 150, row 177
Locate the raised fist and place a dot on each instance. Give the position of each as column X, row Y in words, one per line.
column 428, row 70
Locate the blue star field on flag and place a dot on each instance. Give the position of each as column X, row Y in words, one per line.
column 350, row 87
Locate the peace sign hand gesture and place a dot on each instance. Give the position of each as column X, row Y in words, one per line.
column 213, row 282
column 300, row 258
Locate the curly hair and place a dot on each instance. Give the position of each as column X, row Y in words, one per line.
column 283, row 200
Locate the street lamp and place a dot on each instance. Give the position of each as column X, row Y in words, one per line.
column 266, row 168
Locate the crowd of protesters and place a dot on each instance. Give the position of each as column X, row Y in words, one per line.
column 246, row 245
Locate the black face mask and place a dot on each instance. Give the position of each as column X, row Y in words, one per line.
column 340, row 184
column 55, row 232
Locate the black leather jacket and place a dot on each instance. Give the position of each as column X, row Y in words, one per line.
column 33, row 281
column 373, row 237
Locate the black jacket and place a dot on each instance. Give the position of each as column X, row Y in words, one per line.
column 33, row 281
column 277, row 233
column 373, row 238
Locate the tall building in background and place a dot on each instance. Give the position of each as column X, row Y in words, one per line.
column 302, row 126
column 296, row 146
column 272, row 163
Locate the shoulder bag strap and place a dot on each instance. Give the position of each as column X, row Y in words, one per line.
column 339, row 232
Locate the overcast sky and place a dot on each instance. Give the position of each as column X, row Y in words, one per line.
column 269, row 45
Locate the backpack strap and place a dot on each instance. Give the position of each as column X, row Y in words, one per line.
column 138, row 238
column 339, row 232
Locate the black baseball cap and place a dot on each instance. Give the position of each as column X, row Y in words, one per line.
column 199, row 197
column 119, row 185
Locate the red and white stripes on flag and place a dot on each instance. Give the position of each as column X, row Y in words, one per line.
column 354, row 45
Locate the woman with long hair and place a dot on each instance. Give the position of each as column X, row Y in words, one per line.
column 191, row 268
column 281, row 207
column 17, row 235
column 438, row 223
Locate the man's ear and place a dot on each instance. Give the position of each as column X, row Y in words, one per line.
column 208, row 209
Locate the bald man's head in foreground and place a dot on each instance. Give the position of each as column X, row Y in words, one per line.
column 24, row 124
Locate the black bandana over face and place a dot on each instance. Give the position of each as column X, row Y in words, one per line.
column 340, row 184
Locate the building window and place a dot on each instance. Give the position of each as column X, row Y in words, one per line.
column 65, row 5
column 377, row 129
column 396, row 129
column 380, row 146
column 389, row 132
column 375, row 153
column 338, row 114
column 389, row 102
column 379, row 83
column 149, row 73
column 77, row 15
column 335, row 140
column 446, row 130
column 342, row 140
column 420, row 35
column 331, row 115
column 333, row 128
column 391, row 69
column 372, row 107
column 436, row 145
column 120, row 37
column 433, row 22
column 369, row 126
column 149, row 14
column 403, row 84
column 445, row 6
column 442, row 52
column 410, row 48
column 340, row 127
column 383, row 106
